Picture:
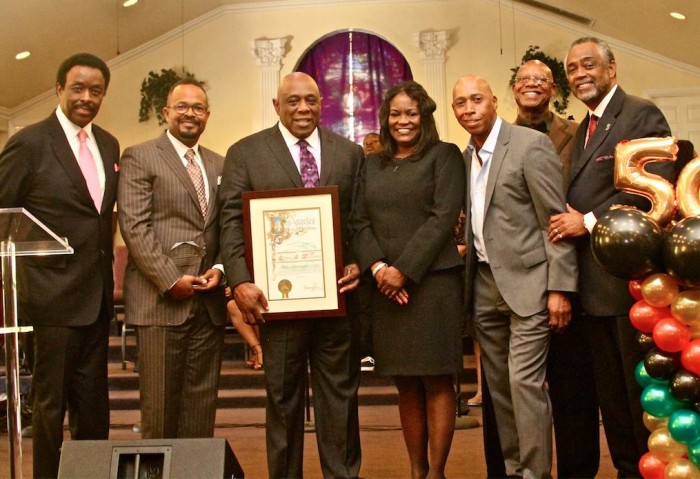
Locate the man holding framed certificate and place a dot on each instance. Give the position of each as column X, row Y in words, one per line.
column 297, row 154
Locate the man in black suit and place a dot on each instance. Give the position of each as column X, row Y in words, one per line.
column 270, row 160
column 64, row 170
column 604, row 301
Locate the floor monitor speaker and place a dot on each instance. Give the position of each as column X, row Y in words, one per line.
column 149, row 459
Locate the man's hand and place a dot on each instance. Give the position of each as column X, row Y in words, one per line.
column 185, row 286
column 559, row 309
column 566, row 225
column 212, row 278
column 351, row 279
column 390, row 282
column 250, row 299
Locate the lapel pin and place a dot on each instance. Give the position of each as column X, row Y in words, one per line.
column 607, row 127
column 116, row 167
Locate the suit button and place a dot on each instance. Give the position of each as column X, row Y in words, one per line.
column 102, row 253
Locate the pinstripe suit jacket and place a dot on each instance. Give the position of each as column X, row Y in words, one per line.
column 166, row 235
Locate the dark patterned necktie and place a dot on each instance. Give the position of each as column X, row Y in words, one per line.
column 592, row 124
column 197, row 179
column 307, row 165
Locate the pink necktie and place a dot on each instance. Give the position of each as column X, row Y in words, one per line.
column 197, row 179
column 89, row 169
column 307, row 165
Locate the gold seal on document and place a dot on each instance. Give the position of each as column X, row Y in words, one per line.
column 284, row 286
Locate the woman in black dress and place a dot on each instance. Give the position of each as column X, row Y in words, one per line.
column 409, row 199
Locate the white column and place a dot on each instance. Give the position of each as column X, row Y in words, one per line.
column 433, row 46
column 269, row 53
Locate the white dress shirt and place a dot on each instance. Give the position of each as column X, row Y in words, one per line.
column 477, row 191
column 71, row 130
column 314, row 141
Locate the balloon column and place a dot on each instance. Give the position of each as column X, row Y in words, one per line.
column 662, row 260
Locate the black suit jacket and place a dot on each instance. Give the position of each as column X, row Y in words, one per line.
column 38, row 171
column 592, row 189
column 262, row 162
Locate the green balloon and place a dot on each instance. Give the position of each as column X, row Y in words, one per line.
column 658, row 401
column 643, row 378
column 694, row 452
column 684, row 426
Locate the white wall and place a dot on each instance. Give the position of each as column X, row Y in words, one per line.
column 218, row 49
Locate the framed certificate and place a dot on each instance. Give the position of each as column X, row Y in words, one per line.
column 294, row 250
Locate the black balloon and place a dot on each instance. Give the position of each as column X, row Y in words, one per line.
column 645, row 341
column 685, row 386
column 660, row 364
column 682, row 250
column 627, row 243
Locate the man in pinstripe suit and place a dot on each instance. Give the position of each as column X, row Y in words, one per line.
column 172, row 288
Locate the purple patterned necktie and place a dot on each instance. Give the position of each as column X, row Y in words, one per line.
column 197, row 180
column 307, row 165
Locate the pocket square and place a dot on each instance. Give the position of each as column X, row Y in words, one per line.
column 605, row 157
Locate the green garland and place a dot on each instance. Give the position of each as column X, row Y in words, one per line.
column 558, row 72
column 154, row 92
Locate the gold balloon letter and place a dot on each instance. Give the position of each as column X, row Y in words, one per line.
column 630, row 175
column 688, row 189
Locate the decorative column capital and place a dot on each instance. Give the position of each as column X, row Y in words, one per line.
column 270, row 51
column 433, row 44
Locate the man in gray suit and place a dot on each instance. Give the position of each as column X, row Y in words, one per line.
column 271, row 160
column 514, row 180
column 172, row 288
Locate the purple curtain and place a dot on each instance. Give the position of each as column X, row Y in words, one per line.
column 353, row 71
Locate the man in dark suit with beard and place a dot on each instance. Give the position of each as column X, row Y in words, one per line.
column 604, row 301
column 63, row 170
column 172, row 293
column 278, row 158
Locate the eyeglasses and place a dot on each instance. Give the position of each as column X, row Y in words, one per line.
column 537, row 80
column 182, row 108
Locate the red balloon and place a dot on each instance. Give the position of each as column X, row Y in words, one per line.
column 635, row 288
column 645, row 316
column 671, row 335
column 650, row 467
column 690, row 357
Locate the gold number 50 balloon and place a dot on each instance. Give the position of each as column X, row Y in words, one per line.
column 630, row 175
column 687, row 189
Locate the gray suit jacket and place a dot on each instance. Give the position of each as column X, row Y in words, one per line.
column 167, row 237
column 523, row 190
column 262, row 162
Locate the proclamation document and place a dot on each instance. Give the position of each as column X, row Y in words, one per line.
column 293, row 250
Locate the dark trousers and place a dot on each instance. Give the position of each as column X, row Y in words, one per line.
column 70, row 373
column 179, row 370
column 616, row 354
column 289, row 347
